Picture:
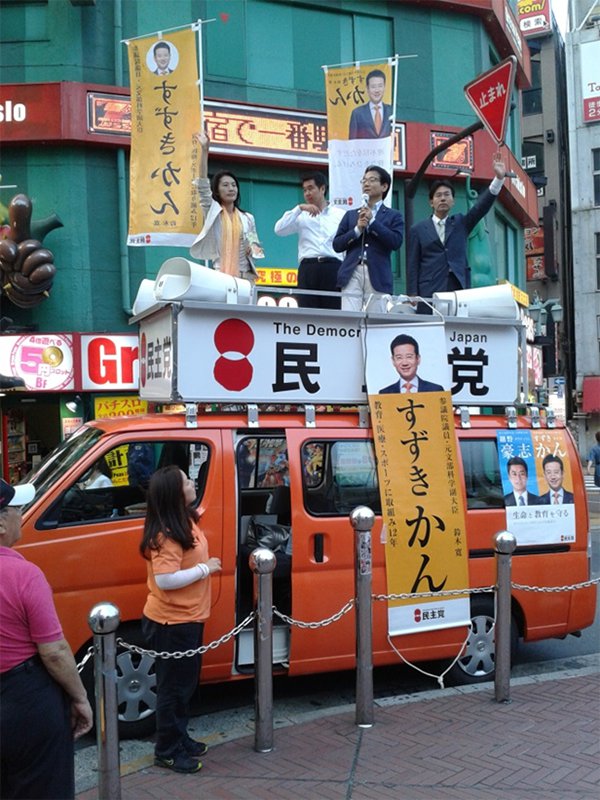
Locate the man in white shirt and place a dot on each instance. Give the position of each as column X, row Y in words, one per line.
column 316, row 222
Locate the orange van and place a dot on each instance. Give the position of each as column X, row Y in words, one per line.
column 279, row 468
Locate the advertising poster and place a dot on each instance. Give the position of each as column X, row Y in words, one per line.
column 360, row 116
column 537, row 485
column 164, row 205
column 418, row 473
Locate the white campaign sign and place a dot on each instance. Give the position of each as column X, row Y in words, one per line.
column 228, row 354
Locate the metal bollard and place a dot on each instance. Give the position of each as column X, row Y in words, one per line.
column 104, row 620
column 505, row 545
column 362, row 519
column 262, row 563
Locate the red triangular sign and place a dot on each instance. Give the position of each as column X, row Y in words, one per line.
column 490, row 94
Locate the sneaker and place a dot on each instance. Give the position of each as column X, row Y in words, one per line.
column 179, row 762
column 194, row 748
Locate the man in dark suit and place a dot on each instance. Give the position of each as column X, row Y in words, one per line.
column 369, row 235
column 406, row 360
column 554, row 474
column 162, row 56
column 437, row 246
column 517, row 475
column 373, row 120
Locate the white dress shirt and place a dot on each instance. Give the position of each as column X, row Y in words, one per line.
column 315, row 234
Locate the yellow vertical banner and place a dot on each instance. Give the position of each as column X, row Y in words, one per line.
column 423, row 509
column 165, row 109
column 360, row 125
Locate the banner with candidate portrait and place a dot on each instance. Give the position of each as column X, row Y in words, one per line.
column 537, row 486
column 361, row 108
column 408, row 383
column 164, row 208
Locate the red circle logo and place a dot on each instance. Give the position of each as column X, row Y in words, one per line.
column 233, row 337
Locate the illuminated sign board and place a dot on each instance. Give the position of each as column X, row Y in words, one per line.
column 458, row 156
column 109, row 113
column 590, row 80
column 534, row 17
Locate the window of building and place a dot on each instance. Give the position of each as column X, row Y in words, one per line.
column 532, row 98
column 596, row 173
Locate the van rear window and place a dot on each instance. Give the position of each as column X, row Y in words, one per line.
column 482, row 473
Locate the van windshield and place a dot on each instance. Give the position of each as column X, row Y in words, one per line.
column 61, row 459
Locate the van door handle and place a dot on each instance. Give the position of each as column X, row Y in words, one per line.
column 318, row 547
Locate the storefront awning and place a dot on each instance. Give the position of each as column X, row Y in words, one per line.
column 591, row 394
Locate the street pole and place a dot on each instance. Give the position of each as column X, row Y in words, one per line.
column 262, row 563
column 362, row 519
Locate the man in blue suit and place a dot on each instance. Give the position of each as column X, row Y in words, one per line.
column 437, row 246
column 369, row 235
column 373, row 120
column 406, row 360
column 518, row 475
column 554, row 474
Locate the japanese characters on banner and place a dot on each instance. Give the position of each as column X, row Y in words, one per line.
column 537, row 486
column 164, row 206
column 312, row 358
column 590, row 80
column 419, row 478
column 360, row 126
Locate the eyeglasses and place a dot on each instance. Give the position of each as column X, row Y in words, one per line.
column 370, row 180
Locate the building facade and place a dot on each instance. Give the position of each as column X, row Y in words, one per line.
column 61, row 58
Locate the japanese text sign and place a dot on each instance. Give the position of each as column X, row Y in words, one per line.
column 490, row 94
column 423, row 510
column 165, row 110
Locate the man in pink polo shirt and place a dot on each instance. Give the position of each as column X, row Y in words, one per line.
column 43, row 704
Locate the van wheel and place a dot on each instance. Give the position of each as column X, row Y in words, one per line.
column 477, row 664
column 136, row 686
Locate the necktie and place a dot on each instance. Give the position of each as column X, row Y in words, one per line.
column 521, row 500
column 407, row 387
column 555, row 498
column 442, row 230
column 377, row 120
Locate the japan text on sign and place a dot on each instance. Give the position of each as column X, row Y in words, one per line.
column 589, row 54
column 490, row 94
column 423, row 509
column 534, row 17
column 257, row 354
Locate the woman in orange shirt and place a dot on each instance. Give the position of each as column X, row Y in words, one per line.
column 178, row 602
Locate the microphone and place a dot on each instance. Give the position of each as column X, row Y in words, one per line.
column 365, row 200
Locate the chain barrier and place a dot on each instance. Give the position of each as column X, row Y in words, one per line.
column 89, row 653
column 447, row 593
column 321, row 623
column 134, row 648
column 571, row 587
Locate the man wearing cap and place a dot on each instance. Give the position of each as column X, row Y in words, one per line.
column 43, row 703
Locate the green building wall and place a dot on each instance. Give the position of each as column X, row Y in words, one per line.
column 267, row 52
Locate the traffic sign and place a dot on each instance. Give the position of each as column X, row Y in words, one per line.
column 490, row 94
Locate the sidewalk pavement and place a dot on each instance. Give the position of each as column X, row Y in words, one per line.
column 450, row 744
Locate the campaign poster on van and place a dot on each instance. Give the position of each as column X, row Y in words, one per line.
column 419, row 481
column 360, row 125
column 537, row 486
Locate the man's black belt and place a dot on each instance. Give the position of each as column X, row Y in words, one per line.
column 318, row 259
column 31, row 662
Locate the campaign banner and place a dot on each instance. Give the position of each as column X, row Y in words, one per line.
column 164, row 207
column 537, row 485
column 419, row 483
column 360, row 126
column 423, row 511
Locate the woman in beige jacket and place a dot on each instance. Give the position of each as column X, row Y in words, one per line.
column 228, row 237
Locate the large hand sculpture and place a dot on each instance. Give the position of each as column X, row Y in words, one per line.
column 26, row 268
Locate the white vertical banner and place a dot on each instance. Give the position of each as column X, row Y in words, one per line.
column 361, row 109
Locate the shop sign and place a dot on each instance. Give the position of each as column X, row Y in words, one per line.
column 109, row 362
column 43, row 360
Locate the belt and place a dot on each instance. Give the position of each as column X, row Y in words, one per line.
column 29, row 664
column 319, row 259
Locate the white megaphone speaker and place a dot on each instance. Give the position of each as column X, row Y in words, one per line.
column 145, row 297
column 180, row 279
column 492, row 302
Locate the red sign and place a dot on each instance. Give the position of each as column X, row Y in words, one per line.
column 490, row 93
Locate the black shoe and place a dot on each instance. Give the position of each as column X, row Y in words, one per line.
column 194, row 748
column 179, row 762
